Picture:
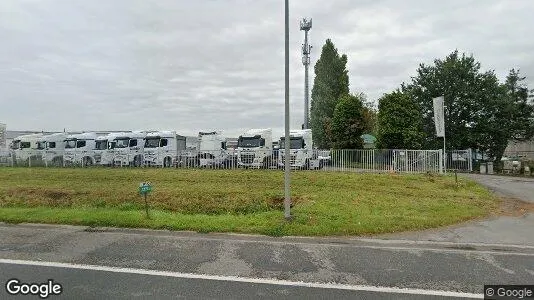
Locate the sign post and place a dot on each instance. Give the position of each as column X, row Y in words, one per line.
column 144, row 189
column 439, row 121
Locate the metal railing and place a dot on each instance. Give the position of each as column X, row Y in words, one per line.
column 346, row 160
column 460, row 160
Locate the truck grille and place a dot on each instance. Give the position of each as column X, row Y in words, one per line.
column 292, row 159
column 247, row 158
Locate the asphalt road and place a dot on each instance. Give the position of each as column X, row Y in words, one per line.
column 381, row 264
column 91, row 284
column 509, row 186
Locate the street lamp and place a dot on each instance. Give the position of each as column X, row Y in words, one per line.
column 287, row 198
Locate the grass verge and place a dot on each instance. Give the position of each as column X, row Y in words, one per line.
column 246, row 201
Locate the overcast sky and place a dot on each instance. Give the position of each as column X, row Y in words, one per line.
column 219, row 64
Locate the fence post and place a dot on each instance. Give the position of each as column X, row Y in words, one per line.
column 470, row 159
column 406, row 158
column 440, row 155
column 373, row 162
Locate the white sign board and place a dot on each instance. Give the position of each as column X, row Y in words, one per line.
column 439, row 119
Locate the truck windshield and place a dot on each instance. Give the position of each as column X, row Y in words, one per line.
column 101, row 145
column 248, row 142
column 15, row 145
column 122, row 143
column 152, row 143
column 41, row 145
column 295, row 143
column 111, row 145
column 70, row 144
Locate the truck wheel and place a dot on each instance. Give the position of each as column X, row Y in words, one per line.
column 87, row 162
column 167, row 162
column 137, row 161
column 57, row 162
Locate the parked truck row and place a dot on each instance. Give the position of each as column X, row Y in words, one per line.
column 255, row 149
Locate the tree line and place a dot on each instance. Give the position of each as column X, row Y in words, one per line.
column 480, row 111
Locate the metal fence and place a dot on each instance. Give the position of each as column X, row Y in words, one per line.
column 358, row 160
column 5, row 158
column 459, row 160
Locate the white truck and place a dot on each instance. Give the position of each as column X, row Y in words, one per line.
column 105, row 148
column 163, row 148
column 80, row 149
column 129, row 149
column 255, row 149
column 302, row 154
column 25, row 149
column 53, row 148
column 212, row 150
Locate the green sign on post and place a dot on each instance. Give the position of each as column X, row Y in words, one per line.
column 144, row 189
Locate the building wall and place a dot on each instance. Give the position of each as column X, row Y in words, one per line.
column 521, row 149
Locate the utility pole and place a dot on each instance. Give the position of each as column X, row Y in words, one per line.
column 287, row 198
column 306, row 25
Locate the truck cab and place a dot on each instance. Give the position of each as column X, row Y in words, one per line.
column 129, row 149
column 79, row 149
column 54, row 148
column 163, row 148
column 105, row 148
column 212, row 149
column 26, row 148
column 302, row 154
column 255, row 148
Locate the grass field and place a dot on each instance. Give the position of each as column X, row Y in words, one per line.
column 247, row 201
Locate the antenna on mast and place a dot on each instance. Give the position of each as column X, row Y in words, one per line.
column 306, row 25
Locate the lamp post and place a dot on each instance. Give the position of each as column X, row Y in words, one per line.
column 287, row 198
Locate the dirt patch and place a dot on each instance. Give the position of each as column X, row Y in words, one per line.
column 514, row 207
column 38, row 196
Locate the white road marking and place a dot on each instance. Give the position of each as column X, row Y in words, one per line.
column 366, row 288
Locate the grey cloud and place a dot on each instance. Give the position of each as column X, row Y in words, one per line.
column 192, row 65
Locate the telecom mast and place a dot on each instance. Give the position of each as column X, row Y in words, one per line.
column 306, row 25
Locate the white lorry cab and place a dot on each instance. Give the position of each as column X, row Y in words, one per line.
column 105, row 148
column 163, row 148
column 129, row 149
column 79, row 149
column 26, row 148
column 255, row 148
column 212, row 149
column 302, row 154
column 53, row 147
